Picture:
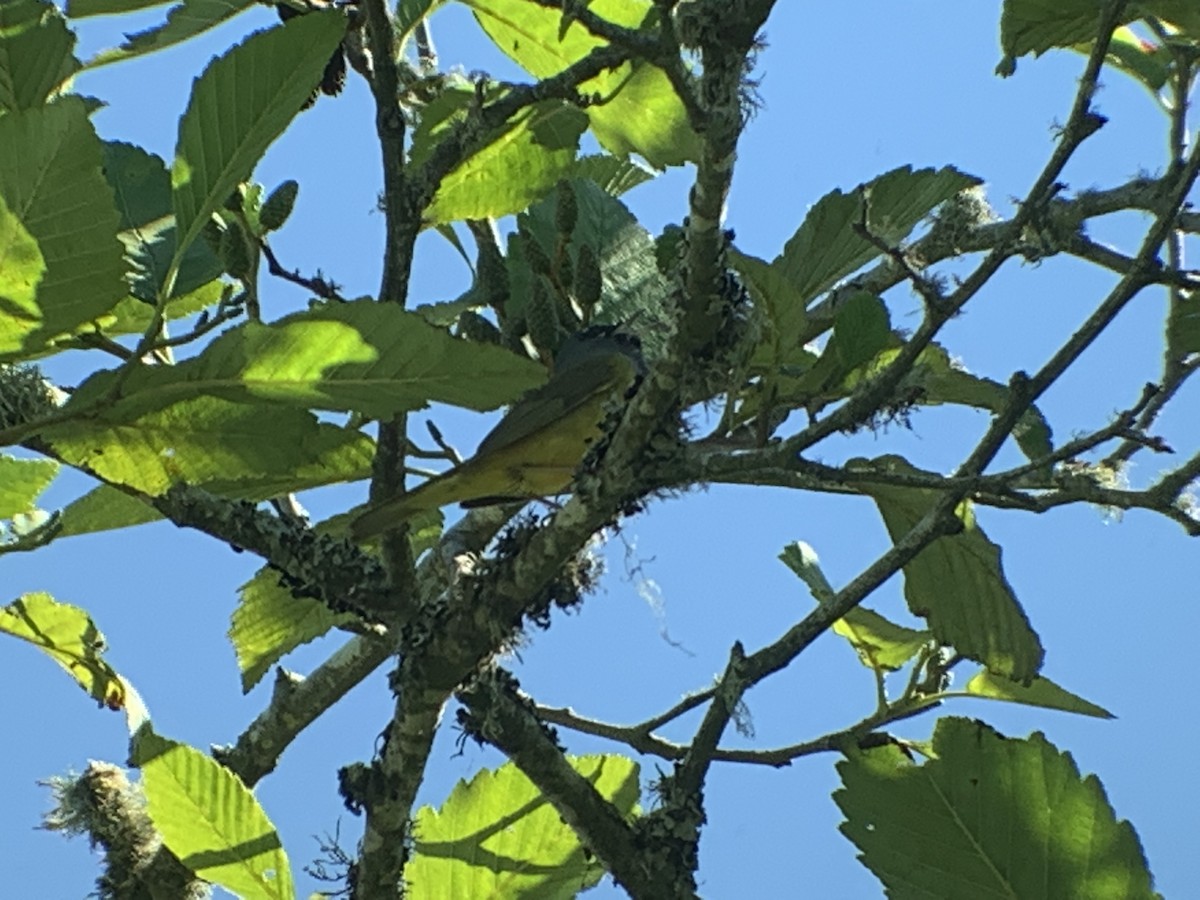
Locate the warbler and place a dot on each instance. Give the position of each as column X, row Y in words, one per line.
column 536, row 447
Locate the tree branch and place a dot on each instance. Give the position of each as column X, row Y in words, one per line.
column 296, row 702
column 501, row 716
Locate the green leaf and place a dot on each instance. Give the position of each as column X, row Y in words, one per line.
column 409, row 13
column 140, row 182
column 362, row 356
column 79, row 9
column 192, row 443
column 861, row 330
column 184, row 21
column 36, row 54
column 210, row 820
column 68, row 636
column 518, row 166
column 50, row 180
column 990, row 816
column 142, row 188
column 231, row 449
column 826, row 248
column 270, row 622
column 642, row 114
column 1041, row 692
column 444, row 313
column 1183, row 14
column 21, row 265
column 498, row 836
column 613, row 174
column 775, row 294
column 1035, row 26
column 639, row 111
column 104, row 509
column 21, row 481
column 957, row 582
column 802, row 559
column 1149, row 63
column 942, row 380
column 133, row 316
column 880, row 644
column 239, row 105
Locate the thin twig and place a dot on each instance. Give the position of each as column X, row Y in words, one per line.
column 319, row 285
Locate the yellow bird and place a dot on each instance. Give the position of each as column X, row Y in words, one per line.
column 535, row 449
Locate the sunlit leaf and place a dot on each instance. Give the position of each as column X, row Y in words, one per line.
column 369, row 357
column 50, row 181
column 231, row 449
column 186, row 20
column 142, row 188
column 639, row 110
column 79, row 9
column 68, row 636
column 210, row 820
column 103, row 509
column 21, row 481
column 957, row 582
column 498, row 836
column 270, row 621
column 21, row 265
column 1150, row 63
column 880, row 643
column 239, row 105
column 827, row 247
column 1040, row 692
column 990, row 816
column 35, row 53
column 519, row 164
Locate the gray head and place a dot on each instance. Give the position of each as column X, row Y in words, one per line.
column 599, row 339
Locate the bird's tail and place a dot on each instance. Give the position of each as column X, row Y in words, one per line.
column 458, row 484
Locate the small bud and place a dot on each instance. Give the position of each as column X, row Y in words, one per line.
column 539, row 262
column 566, row 210
column 541, row 318
column 512, row 333
column 564, row 269
column 234, row 251
column 588, row 279
column 278, row 206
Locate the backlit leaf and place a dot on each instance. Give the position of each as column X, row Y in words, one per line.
column 989, row 816
column 210, row 820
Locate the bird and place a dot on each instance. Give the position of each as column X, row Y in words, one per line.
column 536, row 447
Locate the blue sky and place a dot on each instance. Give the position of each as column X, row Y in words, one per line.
column 850, row 90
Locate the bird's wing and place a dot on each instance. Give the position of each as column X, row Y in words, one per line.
column 532, row 419
column 557, row 399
